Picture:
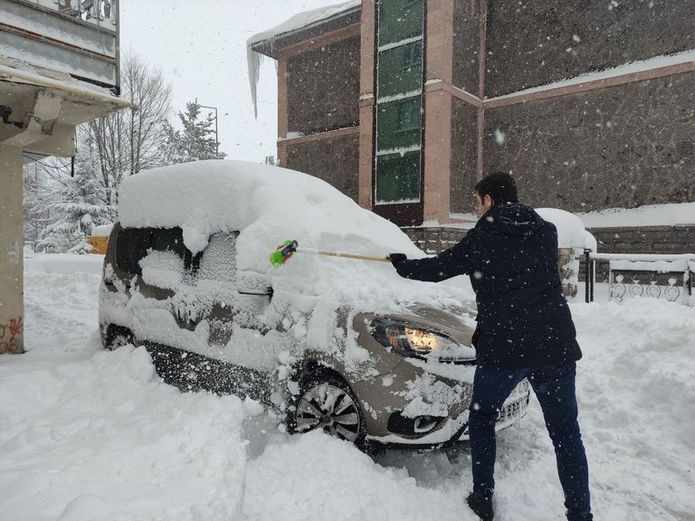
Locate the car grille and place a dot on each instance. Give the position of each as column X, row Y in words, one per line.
column 511, row 410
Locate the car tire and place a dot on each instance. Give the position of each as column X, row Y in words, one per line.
column 326, row 401
column 118, row 337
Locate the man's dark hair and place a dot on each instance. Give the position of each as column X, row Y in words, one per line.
column 498, row 185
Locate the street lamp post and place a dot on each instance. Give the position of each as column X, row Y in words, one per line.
column 217, row 140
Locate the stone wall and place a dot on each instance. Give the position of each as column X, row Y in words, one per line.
column 323, row 88
column 653, row 239
column 538, row 42
column 434, row 239
column 623, row 146
column 466, row 45
column 336, row 161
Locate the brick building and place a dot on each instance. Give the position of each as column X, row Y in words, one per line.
column 403, row 104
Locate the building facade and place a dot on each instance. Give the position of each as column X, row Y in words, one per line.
column 404, row 104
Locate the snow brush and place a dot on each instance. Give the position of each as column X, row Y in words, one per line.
column 284, row 252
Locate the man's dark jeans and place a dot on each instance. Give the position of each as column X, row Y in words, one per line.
column 554, row 388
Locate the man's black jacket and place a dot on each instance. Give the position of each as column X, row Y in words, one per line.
column 511, row 257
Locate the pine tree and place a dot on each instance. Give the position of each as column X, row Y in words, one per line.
column 196, row 141
column 78, row 206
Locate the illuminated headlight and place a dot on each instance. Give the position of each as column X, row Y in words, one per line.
column 413, row 341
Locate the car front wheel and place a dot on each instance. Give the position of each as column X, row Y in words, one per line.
column 326, row 402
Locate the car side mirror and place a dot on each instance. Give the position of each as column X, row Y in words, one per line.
column 252, row 283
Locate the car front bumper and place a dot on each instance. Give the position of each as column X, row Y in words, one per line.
column 452, row 426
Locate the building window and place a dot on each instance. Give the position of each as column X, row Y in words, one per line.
column 409, row 116
column 411, row 54
column 399, row 20
column 399, row 177
column 398, row 169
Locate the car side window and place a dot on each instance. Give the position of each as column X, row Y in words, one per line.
column 131, row 246
column 218, row 261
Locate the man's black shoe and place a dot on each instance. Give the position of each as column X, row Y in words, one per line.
column 481, row 504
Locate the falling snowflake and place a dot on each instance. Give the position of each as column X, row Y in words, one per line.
column 499, row 137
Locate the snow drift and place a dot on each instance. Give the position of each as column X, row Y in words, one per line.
column 94, row 436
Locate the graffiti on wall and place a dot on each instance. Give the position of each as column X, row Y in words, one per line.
column 9, row 335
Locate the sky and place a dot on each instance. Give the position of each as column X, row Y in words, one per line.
column 200, row 47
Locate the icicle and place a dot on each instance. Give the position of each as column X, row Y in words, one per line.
column 254, row 60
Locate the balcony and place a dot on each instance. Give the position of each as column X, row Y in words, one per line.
column 75, row 37
column 59, row 67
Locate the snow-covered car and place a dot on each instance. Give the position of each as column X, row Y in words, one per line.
column 340, row 344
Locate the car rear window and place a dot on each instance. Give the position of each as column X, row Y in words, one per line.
column 132, row 244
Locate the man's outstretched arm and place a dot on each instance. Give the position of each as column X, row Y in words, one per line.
column 449, row 263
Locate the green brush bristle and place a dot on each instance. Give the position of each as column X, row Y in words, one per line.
column 276, row 258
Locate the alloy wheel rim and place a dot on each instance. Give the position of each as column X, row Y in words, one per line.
column 328, row 407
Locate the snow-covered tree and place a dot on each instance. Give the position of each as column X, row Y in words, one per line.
column 36, row 203
column 77, row 205
column 126, row 142
column 107, row 150
column 195, row 141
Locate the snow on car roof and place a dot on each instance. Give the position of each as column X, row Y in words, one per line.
column 267, row 204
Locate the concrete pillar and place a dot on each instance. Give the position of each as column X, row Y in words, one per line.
column 439, row 60
column 11, row 251
column 367, row 44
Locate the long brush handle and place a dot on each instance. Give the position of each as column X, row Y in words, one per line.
column 341, row 254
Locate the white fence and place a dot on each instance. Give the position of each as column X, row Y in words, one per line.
column 667, row 277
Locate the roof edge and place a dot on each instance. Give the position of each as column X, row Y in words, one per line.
column 269, row 45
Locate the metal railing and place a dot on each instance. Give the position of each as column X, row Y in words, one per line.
column 667, row 277
column 86, row 10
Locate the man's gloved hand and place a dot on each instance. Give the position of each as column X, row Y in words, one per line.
column 397, row 258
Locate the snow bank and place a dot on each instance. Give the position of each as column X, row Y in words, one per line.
column 318, row 477
column 570, row 229
column 102, row 438
column 94, row 436
column 673, row 214
column 63, row 263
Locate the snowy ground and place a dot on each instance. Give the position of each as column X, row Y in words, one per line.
column 93, row 435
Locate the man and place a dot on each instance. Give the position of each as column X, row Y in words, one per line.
column 524, row 330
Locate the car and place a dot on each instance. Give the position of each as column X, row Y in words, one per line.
column 337, row 344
